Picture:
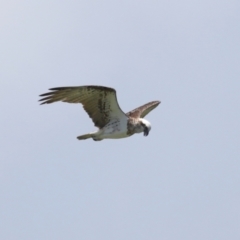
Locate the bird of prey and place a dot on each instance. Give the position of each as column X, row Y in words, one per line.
column 102, row 107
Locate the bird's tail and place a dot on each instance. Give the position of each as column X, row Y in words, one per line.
column 85, row 136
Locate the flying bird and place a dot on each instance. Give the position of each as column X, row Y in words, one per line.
column 102, row 107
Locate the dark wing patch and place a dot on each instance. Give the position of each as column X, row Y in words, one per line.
column 142, row 111
column 99, row 102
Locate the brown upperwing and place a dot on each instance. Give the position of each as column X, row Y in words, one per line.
column 142, row 111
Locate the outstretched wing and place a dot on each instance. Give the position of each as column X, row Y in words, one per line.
column 99, row 102
column 142, row 111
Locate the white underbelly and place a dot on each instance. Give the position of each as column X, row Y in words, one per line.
column 115, row 135
column 115, row 130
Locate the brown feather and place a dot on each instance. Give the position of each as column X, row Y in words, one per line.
column 142, row 111
column 99, row 102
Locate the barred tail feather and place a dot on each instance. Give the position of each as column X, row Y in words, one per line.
column 85, row 136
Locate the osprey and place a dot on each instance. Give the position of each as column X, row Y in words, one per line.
column 102, row 107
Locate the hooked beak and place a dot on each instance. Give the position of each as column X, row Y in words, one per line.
column 146, row 131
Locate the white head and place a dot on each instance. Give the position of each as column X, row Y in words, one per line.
column 146, row 126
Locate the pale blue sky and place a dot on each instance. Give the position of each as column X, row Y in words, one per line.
column 180, row 182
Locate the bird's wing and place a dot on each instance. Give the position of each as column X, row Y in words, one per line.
column 142, row 111
column 99, row 102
